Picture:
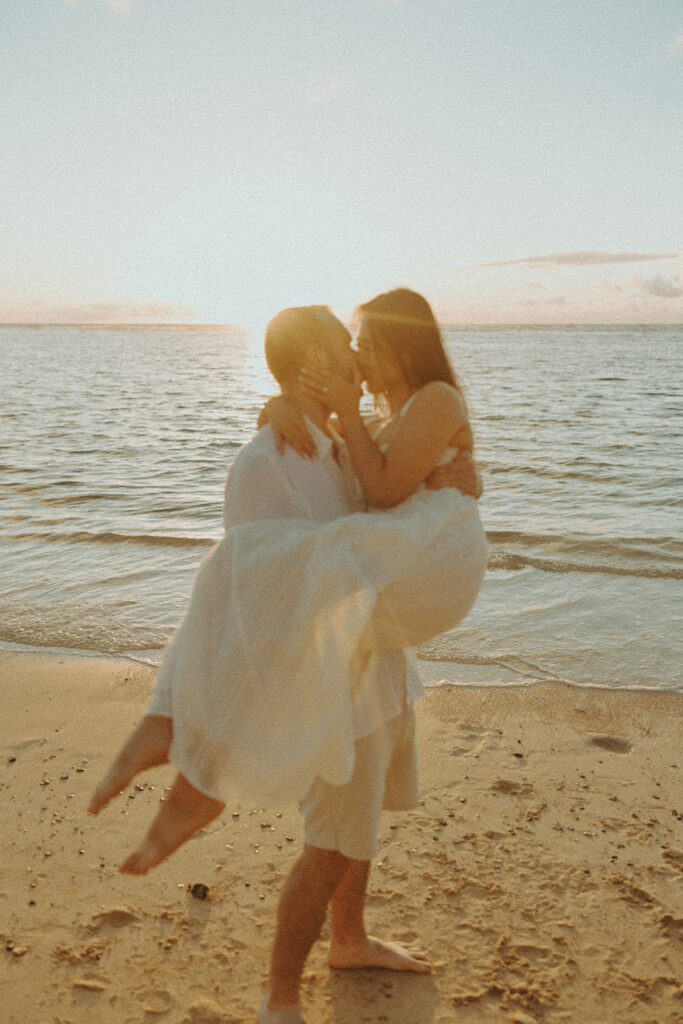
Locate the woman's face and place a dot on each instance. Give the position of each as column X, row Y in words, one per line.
column 378, row 369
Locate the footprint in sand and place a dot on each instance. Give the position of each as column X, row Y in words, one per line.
column 672, row 927
column 529, row 953
column 674, row 858
column 472, row 739
column 67, row 954
column 19, row 745
column 154, row 1000
column 615, row 744
column 511, row 787
column 208, row 1012
column 632, row 894
column 91, row 983
column 117, row 917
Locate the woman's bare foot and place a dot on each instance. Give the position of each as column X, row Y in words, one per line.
column 184, row 811
column 146, row 747
column 373, row 952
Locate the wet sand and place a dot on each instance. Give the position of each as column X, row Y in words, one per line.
column 541, row 872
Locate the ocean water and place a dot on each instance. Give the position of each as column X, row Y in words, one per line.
column 115, row 442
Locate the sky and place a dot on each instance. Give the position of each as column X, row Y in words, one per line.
column 212, row 161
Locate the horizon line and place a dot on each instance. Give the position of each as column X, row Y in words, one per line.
column 248, row 327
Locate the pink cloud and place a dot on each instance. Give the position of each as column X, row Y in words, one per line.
column 96, row 313
column 608, row 286
column 576, row 259
column 663, row 288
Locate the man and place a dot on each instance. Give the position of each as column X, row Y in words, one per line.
column 340, row 822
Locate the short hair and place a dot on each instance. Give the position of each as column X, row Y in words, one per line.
column 290, row 334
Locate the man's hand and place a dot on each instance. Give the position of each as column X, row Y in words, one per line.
column 461, row 472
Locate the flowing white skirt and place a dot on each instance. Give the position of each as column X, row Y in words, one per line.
column 258, row 678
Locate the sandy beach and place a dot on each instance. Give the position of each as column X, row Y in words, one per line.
column 541, row 871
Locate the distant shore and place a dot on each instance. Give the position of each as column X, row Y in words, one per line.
column 447, row 326
column 539, row 872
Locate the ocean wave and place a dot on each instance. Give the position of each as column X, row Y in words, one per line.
column 442, row 648
column 42, row 493
column 666, row 548
column 511, row 561
column 588, row 543
column 152, row 659
column 655, row 558
column 525, row 673
column 108, row 537
column 594, row 474
column 507, row 684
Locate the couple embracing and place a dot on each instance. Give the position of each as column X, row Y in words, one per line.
column 292, row 677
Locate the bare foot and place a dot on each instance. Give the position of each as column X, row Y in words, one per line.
column 292, row 1015
column 184, row 811
column 146, row 747
column 374, row 953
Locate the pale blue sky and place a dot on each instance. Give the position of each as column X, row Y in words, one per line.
column 215, row 160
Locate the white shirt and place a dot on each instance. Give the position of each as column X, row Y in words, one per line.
column 262, row 484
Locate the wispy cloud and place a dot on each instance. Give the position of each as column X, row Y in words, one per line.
column 117, row 6
column 576, row 259
column 96, row 313
column 552, row 300
column 609, row 286
column 662, row 288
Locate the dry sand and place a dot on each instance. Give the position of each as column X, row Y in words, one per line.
column 541, row 872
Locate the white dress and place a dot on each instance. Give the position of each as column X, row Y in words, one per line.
column 281, row 616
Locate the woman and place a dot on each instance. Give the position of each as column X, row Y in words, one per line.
column 393, row 578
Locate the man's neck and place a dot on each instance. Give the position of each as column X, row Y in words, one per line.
column 316, row 412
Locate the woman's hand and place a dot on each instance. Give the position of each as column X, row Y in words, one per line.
column 461, row 472
column 289, row 427
column 341, row 396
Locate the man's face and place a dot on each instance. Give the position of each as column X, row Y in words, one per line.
column 343, row 359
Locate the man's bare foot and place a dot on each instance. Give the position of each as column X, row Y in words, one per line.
column 146, row 747
column 374, row 953
column 291, row 1015
column 184, row 811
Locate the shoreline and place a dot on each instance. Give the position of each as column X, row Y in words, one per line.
column 434, row 672
column 538, row 872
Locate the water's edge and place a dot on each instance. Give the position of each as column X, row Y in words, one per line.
column 428, row 668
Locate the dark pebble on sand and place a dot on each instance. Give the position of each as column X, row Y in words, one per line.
column 199, row 891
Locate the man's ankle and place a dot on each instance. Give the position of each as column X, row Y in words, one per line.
column 283, row 999
column 347, row 937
